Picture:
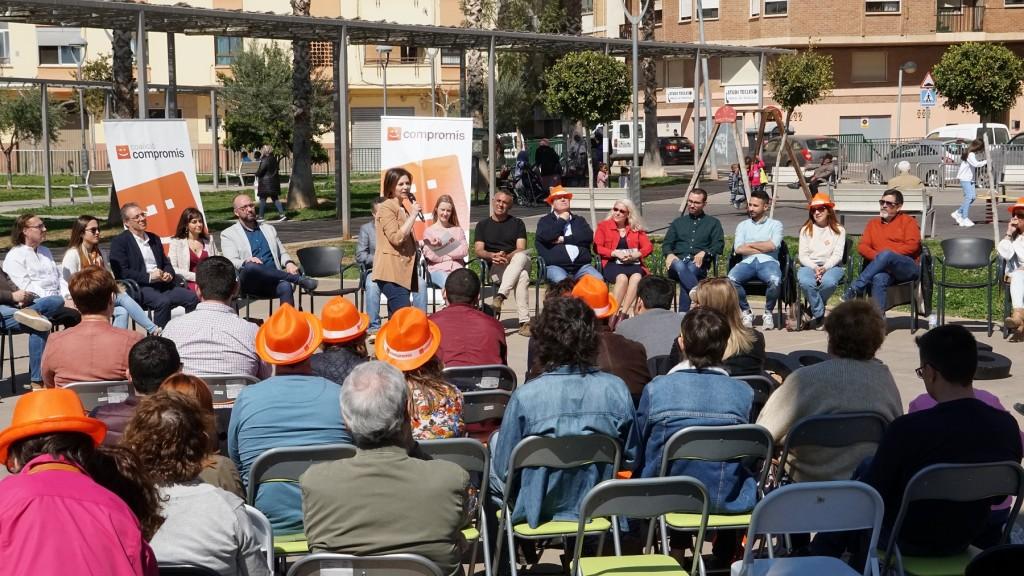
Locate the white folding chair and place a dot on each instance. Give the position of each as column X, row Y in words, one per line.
column 263, row 532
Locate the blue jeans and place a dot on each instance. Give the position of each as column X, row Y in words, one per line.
column 886, row 269
column 969, row 196
column 277, row 205
column 398, row 296
column 688, row 275
column 767, row 272
column 372, row 301
column 47, row 306
column 439, row 277
column 818, row 294
column 125, row 308
column 557, row 273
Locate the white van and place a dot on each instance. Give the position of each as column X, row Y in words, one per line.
column 619, row 137
column 997, row 133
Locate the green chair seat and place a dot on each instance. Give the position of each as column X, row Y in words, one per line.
column 289, row 544
column 631, row 565
column 692, row 521
column 561, row 528
column 936, row 565
column 471, row 534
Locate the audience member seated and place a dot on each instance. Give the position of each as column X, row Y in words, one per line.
column 616, row 354
column 56, row 515
column 191, row 245
column 699, row 393
column 138, row 255
column 392, row 502
column 563, row 239
column 853, row 380
column 203, row 525
column 745, row 352
column 501, row 240
column 757, row 241
column 959, row 429
column 214, row 340
column 265, row 268
column 822, row 243
column 905, row 180
column 444, row 242
column 691, row 243
column 571, row 397
column 825, row 172
column 150, row 361
column 84, row 250
column 1011, row 249
column 344, row 340
column 468, row 336
column 365, row 248
column 292, row 408
column 34, row 316
column 622, row 243
column 218, row 469
column 409, row 341
column 561, row 289
column 891, row 247
column 656, row 326
column 93, row 350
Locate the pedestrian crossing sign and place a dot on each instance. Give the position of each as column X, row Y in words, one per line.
column 927, row 97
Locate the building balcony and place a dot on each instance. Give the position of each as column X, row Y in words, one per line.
column 960, row 19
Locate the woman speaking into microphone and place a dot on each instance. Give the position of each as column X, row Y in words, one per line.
column 394, row 261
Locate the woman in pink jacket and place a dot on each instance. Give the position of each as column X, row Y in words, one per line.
column 444, row 242
column 622, row 244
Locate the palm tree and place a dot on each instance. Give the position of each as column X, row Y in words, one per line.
column 300, row 185
column 124, row 102
column 649, row 69
column 478, row 14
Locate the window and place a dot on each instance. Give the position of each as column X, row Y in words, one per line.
column 709, row 9
column 755, row 8
column 409, row 54
column 226, row 49
column 685, row 10
column 5, row 44
column 450, row 56
column 882, row 6
column 869, row 67
column 776, row 7
column 588, row 6
column 1009, row 3
column 59, row 55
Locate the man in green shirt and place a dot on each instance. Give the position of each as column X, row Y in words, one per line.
column 692, row 242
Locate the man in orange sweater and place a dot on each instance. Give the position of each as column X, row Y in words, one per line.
column 891, row 245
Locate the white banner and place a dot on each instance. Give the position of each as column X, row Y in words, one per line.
column 679, row 95
column 438, row 152
column 151, row 163
column 743, row 94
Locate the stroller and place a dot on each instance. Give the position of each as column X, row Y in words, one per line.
column 526, row 184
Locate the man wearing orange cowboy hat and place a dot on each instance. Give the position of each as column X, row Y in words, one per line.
column 564, row 239
column 292, row 408
column 1011, row 249
column 344, row 340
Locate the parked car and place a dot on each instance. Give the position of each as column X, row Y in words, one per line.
column 675, row 150
column 809, row 150
column 997, row 133
column 618, row 142
column 935, row 161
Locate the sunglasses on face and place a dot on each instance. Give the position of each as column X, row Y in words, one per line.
column 93, row 230
column 819, row 209
column 887, row 204
column 620, row 210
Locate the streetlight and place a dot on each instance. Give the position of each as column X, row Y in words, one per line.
column 384, row 56
column 634, row 171
column 79, row 53
column 909, row 67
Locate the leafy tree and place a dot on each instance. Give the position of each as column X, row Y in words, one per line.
column 516, row 108
column 98, row 69
column 21, row 119
column 800, row 78
column 982, row 77
column 588, row 87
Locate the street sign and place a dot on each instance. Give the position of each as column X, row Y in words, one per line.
column 928, row 82
column 927, row 97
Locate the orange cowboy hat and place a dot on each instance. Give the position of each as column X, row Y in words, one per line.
column 557, row 191
column 342, row 322
column 820, row 199
column 408, row 340
column 47, row 412
column 288, row 336
column 595, row 293
column 1018, row 206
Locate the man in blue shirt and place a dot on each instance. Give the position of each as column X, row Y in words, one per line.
column 758, row 240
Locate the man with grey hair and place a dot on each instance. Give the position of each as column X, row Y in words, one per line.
column 382, row 500
column 905, row 180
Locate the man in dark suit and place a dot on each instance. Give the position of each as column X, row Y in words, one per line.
column 139, row 256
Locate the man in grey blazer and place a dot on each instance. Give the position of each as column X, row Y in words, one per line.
column 264, row 266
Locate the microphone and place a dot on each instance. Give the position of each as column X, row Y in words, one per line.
column 412, row 198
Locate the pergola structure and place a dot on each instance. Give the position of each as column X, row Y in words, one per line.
column 183, row 19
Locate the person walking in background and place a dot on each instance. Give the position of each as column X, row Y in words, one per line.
column 737, row 195
column 755, row 172
column 547, row 159
column 968, row 175
column 268, row 184
column 822, row 242
column 444, row 242
column 1011, row 249
column 191, row 245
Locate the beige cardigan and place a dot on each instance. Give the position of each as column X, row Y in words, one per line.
column 180, row 259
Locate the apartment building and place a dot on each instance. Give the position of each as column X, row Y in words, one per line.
column 28, row 51
column 869, row 41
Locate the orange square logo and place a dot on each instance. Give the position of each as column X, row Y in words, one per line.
column 394, row 133
column 123, row 152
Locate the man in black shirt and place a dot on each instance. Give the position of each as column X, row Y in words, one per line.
column 550, row 165
column 501, row 240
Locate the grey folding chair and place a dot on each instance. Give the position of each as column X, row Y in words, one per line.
column 481, row 406
column 474, row 458
column 763, row 386
column 263, row 532
column 225, row 387
column 831, row 431
column 555, row 453
column 482, row 378
column 93, row 394
column 749, row 443
column 641, row 498
column 813, row 507
column 386, row 565
column 953, row 483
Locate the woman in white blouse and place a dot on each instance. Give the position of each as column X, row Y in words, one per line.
column 1011, row 249
column 822, row 241
column 84, row 250
column 191, row 245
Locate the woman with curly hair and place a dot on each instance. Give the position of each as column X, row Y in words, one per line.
column 204, row 525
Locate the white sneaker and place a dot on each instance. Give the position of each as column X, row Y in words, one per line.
column 767, row 321
column 966, row 223
column 32, row 319
column 957, row 217
column 748, row 319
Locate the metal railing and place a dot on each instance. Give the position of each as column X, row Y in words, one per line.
column 961, row 19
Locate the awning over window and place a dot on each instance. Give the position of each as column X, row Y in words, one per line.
column 59, row 37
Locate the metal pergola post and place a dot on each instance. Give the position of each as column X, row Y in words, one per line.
column 215, row 134
column 491, row 135
column 634, row 170
column 44, row 100
column 171, row 98
column 140, row 63
column 341, row 190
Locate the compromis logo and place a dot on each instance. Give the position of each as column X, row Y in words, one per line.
column 146, row 152
column 394, row 133
column 123, row 152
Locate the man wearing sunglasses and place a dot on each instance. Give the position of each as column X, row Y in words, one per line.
column 891, row 247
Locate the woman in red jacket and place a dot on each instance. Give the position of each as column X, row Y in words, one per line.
column 622, row 244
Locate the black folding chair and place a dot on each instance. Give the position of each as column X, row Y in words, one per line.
column 787, row 284
column 385, row 565
column 481, row 378
column 966, row 254
column 325, row 262
column 831, row 431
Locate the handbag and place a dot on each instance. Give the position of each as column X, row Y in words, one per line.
column 762, row 177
